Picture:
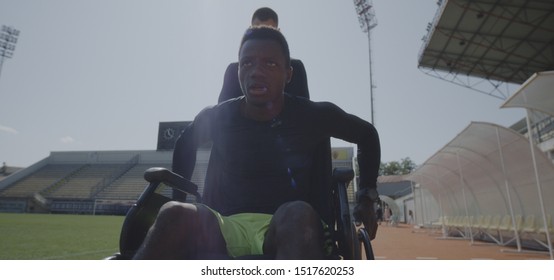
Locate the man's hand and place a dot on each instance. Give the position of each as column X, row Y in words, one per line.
column 364, row 212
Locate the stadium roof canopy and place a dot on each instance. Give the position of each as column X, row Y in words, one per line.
column 493, row 40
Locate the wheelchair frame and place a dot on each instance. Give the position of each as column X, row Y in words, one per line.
column 142, row 214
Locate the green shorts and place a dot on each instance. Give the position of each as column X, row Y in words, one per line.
column 244, row 233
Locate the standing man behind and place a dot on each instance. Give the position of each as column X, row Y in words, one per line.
column 297, row 86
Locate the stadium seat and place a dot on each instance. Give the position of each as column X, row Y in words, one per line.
column 143, row 213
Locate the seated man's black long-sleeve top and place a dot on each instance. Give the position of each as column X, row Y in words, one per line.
column 257, row 166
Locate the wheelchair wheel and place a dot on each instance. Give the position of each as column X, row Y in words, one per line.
column 363, row 238
column 356, row 244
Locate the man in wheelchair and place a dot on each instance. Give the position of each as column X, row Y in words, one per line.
column 261, row 195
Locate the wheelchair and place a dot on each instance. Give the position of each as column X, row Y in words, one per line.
column 331, row 185
column 140, row 217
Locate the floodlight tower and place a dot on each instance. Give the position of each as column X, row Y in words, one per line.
column 367, row 19
column 8, row 39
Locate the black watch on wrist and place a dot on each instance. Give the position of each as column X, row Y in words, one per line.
column 370, row 193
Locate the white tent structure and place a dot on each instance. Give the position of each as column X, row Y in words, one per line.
column 537, row 93
column 490, row 171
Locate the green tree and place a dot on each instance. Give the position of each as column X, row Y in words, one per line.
column 405, row 166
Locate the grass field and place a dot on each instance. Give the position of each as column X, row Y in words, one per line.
column 58, row 237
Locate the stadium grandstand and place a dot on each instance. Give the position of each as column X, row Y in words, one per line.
column 492, row 183
column 103, row 182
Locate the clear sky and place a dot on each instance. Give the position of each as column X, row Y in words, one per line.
column 100, row 75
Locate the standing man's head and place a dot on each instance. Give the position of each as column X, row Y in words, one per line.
column 265, row 16
column 264, row 66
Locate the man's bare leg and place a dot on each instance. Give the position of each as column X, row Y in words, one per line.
column 181, row 231
column 295, row 232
